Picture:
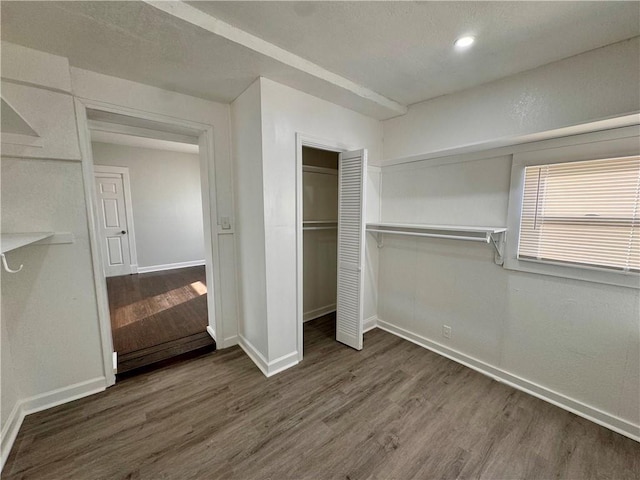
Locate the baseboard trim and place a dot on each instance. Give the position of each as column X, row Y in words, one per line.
column 267, row 368
column 230, row 341
column 318, row 312
column 46, row 400
column 170, row 266
column 593, row 414
column 212, row 334
column 370, row 323
column 10, row 432
column 282, row 363
column 37, row 403
column 255, row 356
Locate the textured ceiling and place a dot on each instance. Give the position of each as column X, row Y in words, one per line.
column 135, row 41
column 402, row 50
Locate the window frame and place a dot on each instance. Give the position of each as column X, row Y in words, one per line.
column 620, row 142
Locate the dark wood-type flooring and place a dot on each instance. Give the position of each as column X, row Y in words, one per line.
column 155, row 316
column 390, row 411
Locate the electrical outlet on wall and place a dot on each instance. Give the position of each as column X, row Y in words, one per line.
column 446, row 331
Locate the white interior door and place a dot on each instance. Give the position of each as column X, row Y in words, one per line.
column 351, row 247
column 112, row 224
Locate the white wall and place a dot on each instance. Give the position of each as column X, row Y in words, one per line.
column 247, row 156
column 285, row 112
column 594, row 85
column 167, row 201
column 573, row 342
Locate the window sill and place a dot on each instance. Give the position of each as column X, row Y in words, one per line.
column 585, row 274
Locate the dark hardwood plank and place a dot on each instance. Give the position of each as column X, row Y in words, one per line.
column 155, row 316
column 154, row 308
column 390, row 411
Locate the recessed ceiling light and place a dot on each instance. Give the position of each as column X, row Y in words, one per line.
column 464, row 42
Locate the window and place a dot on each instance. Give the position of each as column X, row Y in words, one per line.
column 584, row 213
column 574, row 208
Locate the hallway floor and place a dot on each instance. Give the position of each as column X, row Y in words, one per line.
column 391, row 411
column 155, row 316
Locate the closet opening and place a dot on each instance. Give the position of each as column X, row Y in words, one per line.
column 319, row 241
column 330, row 250
column 153, row 238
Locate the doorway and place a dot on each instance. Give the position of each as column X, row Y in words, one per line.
column 319, row 239
column 155, row 273
column 172, row 301
column 330, row 207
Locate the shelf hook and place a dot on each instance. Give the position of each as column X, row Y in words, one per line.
column 6, row 266
column 499, row 247
column 379, row 240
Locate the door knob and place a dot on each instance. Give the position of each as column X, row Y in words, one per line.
column 123, row 232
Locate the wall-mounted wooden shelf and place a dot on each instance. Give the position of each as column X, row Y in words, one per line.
column 491, row 235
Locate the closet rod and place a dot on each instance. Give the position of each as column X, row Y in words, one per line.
column 327, row 227
column 485, row 239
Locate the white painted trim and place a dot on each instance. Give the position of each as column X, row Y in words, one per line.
column 130, row 130
column 212, row 334
column 56, row 397
column 10, row 432
column 253, row 353
column 171, row 266
column 210, row 224
column 233, row 34
column 204, row 132
column 304, row 140
column 318, row 312
column 99, row 280
column 115, row 362
column 370, row 323
column 128, row 209
column 267, row 368
column 142, row 142
column 581, row 409
column 43, row 401
column 231, row 341
column 282, row 363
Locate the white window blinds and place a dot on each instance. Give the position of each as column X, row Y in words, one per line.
column 583, row 213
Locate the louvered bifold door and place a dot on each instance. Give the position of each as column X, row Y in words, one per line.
column 351, row 231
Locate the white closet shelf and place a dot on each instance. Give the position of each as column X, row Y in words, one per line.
column 13, row 241
column 319, row 224
column 491, row 235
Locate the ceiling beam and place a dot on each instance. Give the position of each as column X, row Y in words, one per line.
column 222, row 29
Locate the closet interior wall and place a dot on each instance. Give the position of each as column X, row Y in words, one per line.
column 320, row 231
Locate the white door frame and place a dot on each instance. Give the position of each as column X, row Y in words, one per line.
column 303, row 140
column 128, row 208
column 204, row 133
